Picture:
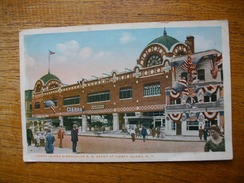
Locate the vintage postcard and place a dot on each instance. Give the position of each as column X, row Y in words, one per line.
column 137, row 92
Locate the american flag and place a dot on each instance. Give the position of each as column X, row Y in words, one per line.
column 219, row 62
column 52, row 107
column 50, row 103
column 51, row 52
column 186, row 64
column 216, row 65
column 190, row 68
column 180, row 85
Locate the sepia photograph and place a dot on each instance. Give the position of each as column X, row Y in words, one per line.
column 135, row 92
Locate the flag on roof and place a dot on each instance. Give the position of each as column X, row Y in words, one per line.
column 51, row 52
column 219, row 62
column 50, row 104
column 216, row 65
column 180, row 85
column 190, row 68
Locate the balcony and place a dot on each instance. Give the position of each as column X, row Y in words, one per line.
column 196, row 107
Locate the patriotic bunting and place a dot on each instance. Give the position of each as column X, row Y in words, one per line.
column 210, row 89
column 174, row 95
column 210, row 115
column 175, row 117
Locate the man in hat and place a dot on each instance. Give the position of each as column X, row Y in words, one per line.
column 60, row 136
column 74, row 137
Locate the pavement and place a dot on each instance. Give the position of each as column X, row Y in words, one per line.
column 149, row 137
column 117, row 135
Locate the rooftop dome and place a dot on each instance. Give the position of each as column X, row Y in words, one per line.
column 48, row 77
column 165, row 40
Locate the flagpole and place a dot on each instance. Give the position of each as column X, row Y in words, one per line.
column 49, row 62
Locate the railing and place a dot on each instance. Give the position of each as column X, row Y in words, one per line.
column 187, row 106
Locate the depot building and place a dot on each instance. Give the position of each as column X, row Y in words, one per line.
column 144, row 95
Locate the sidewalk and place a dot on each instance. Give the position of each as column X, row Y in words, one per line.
column 41, row 150
column 149, row 137
column 110, row 141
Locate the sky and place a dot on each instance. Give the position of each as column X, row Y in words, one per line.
column 83, row 54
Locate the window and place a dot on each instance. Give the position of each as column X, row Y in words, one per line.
column 173, row 126
column 192, row 125
column 125, row 93
column 208, row 124
column 37, row 105
column 97, row 97
column 52, row 86
column 152, row 89
column 201, row 74
column 154, row 113
column 222, row 75
column 55, row 102
column 176, row 101
column 184, row 75
column 211, row 98
column 71, row 100
column 38, row 88
column 130, row 114
column 160, row 122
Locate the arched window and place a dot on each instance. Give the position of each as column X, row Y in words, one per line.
column 37, row 105
column 38, row 88
column 201, row 74
column 52, row 86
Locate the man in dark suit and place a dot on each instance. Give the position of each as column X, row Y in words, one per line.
column 144, row 133
column 74, row 137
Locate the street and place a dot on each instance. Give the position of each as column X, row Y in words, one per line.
column 100, row 145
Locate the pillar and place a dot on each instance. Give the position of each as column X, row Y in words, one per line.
column 84, row 123
column 126, row 120
column 115, row 121
column 61, row 121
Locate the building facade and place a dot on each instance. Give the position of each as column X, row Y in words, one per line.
column 150, row 94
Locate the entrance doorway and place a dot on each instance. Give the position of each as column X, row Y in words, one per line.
column 178, row 128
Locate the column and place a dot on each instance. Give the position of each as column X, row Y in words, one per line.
column 126, row 120
column 115, row 121
column 84, row 123
column 61, row 121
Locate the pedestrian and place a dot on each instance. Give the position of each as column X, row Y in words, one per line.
column 201, row 132
column 49, row 147
column 74, row 137
column 205, row 133
column 153, row 132
column 29, row 136
column 38, row 139
column 216, row 142
column 144, row 133
column 133, row 134
column 137, row 131
column 158, row 132
column 60, row 136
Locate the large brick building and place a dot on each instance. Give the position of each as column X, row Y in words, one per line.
column 134, row 97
